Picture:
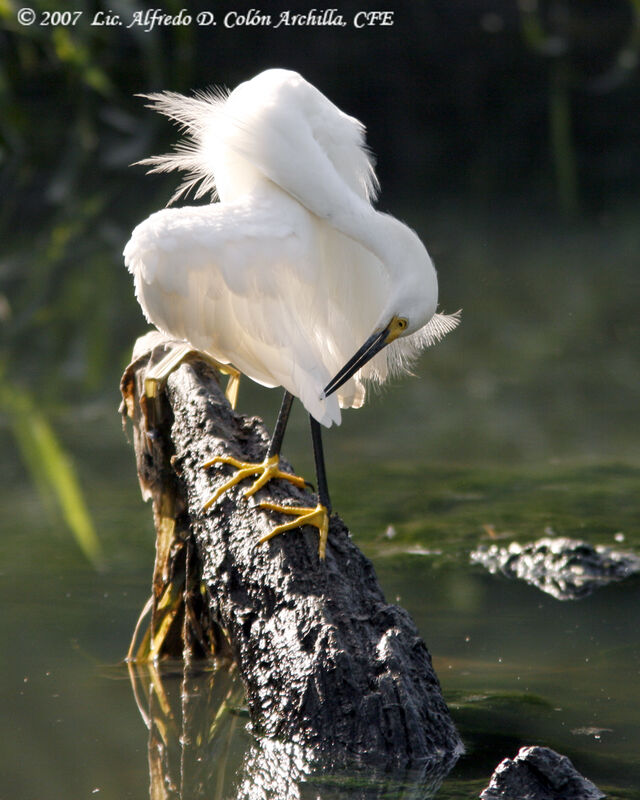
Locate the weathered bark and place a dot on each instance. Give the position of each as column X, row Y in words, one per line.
column 326, row 662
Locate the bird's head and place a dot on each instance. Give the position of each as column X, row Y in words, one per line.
column 411, row 303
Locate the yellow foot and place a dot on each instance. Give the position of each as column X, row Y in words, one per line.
column 318, row 517
column 266, row 471
column 176, row 355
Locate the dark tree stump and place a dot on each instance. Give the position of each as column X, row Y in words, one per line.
column 326, row 662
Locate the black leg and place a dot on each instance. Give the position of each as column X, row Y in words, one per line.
column 281, row 425
column 321, row 474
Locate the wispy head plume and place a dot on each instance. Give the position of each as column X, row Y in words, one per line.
column 194, row 116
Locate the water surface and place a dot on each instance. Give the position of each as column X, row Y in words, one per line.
column 517, row 666
column 522, row 424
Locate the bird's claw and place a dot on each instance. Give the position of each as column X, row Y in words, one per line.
column 266, row 471
column 318, row 517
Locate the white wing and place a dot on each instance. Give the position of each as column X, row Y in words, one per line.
column 295, row 136
column 248, row 283
column 276, row 125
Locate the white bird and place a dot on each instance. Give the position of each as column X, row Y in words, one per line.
column 293, row 270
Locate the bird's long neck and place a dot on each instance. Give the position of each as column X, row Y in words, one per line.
column 390, row 240
column 359, row 220
column 403, row 256
column 310, row 177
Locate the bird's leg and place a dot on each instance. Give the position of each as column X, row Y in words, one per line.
column 266, row 470
column 318, row 516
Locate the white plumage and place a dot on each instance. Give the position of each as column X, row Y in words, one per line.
column 293, row 269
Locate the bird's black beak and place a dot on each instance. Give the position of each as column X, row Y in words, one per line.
column 369, row 349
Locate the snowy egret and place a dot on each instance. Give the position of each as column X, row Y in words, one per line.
column 293, row 270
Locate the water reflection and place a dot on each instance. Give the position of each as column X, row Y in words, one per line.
column 200, row 745
column 191, row 716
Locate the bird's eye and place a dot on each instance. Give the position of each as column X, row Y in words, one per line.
column 402, row 323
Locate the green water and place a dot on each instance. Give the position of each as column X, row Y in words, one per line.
column 523, row 423
column 517, row 667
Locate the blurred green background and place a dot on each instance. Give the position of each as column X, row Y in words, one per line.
column 508, row 135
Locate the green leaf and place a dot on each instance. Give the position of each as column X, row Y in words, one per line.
column 50, row 466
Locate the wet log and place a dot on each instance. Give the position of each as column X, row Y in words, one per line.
column 567, row 569
column 539, row 773
column 326, row 662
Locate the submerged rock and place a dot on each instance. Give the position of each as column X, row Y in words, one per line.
column 539, row 773
column 568, row 569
